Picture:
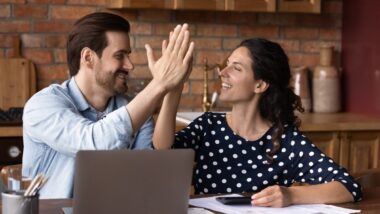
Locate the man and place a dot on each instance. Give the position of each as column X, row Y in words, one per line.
column 89, row 111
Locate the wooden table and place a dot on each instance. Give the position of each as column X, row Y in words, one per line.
column 369, row 204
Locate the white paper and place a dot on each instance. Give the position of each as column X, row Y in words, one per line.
column 212, row 204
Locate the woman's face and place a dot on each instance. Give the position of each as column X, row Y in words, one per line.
column 238, row 82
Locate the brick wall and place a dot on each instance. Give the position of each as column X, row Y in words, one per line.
column 43, row 25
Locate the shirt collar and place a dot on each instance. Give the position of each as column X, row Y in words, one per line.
column 77, row 96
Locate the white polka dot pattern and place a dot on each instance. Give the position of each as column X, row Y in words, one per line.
column 228, row 163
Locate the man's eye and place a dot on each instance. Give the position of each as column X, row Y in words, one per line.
column 119, row 56
column 237, row 68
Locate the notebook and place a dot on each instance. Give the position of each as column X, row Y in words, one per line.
column 132, row 181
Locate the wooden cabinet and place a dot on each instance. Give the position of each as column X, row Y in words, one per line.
column 11, row 145
column 251, row 5
column 349, row 139
column 305, row 6
column 153, row 4
column 299, row 6
column 200, row 4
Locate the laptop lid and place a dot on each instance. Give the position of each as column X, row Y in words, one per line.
column 133, row 181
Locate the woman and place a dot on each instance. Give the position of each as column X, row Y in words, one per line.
column 256, row 147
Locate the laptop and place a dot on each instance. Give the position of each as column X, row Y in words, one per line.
column 132, row 181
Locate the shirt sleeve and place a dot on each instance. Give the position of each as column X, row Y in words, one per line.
column 190, row 136
column 309, row 165
column 53, row 119
column 144, row 136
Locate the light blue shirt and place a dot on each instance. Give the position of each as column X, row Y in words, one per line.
column 58, row 122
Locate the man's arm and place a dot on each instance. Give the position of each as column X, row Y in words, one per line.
column 168, row 72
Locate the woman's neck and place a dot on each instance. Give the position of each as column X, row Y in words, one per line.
column 247, row 122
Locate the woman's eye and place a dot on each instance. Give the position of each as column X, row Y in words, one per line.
column 237, row 68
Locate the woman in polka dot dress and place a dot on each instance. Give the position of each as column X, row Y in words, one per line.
column 256, row 147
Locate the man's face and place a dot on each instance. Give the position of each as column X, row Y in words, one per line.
column 112, row 69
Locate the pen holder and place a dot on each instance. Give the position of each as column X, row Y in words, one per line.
column 14, row 202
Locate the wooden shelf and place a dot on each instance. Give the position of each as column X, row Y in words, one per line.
column 10, row 131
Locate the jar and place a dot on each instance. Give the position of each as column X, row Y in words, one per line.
column 326, row 83
column 300, row 85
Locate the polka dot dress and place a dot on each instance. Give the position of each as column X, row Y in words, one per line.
column 228, row 163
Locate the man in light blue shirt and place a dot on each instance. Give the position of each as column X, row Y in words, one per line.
column 89, row 110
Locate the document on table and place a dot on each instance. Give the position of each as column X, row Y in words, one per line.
column 212, row 204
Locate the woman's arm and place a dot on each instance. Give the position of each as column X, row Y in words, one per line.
column 279, row 196
column 163, row 136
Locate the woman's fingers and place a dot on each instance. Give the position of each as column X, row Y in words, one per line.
column 150, row 57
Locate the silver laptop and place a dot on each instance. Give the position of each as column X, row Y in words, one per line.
column 133, row 181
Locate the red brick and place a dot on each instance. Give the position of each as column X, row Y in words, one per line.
column 228, row 17
column 2, row 54
column 32, row 40
column 289, row 45
column 299, row 59
column 300, row 33
column 138, row 57
column 190, row 16
column 70, row 12
column 38, row 56
column 330, row 34
column 196, row 87
column 52, row 73
column 154, row 15
column 259, row 31
column 14, row 26
column 165, row 28
column 154, row 41
column 191, row 102
column 317, row 20
column 332, row 7
column 216, row 30
column 140, row 28
column 208, row 43
column 53, row 26
column 6, row 40
column 314, row 46
column 47, row 1
column 5, row 11
column 230, row 44
column 88, row 2
column 55, row 41
column 197, row 72
column 13, row 1
column 60, row 56
column 130, row 15
column 30, row 11
column 212, row 56
column 277, row 19
column 140, row 72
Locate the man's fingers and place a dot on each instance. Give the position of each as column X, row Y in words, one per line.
column 149, row 55
column 180, row 38
column 164, row 46
column 173, row 37
column 189, row 54
column 184, row 45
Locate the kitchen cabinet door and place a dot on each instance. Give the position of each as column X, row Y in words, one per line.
column 251, row 5
column 133, row 4
column 299, row 6
column 327, row 142
column 200, row 4
column 363, row 149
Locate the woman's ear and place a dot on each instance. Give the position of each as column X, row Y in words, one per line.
column 261, row 86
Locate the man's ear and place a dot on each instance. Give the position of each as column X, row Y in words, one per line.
column 261, row 86
column 87, row 57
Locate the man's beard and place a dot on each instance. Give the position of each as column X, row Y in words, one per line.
column 108, row 82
